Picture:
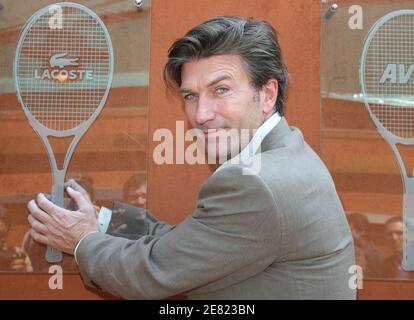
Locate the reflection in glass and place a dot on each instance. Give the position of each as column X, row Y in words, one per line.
column 12, row 258
column 362, row 164
column 114, row 148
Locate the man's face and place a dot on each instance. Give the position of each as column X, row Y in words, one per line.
column 357, row 234
column 394, row 231
column 138, row 196
column 218, row 96
column 3, row 233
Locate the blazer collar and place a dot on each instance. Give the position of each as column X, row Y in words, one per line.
column 266, row 137
column 261, row 133
column 276, row 136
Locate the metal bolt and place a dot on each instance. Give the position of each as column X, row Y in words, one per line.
column 333, row 7
column 138, row 3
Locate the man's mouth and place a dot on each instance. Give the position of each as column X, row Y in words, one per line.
column 213, row 131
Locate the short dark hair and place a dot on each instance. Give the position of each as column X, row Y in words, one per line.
column 359, row 221
column 134, row 182
column 5, row 217
column 254, row 41
column 393, row 219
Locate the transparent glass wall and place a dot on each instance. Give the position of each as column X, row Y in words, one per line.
column 109, row 161
column 362, row 163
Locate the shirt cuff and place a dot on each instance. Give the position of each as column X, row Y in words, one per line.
column 104, row 217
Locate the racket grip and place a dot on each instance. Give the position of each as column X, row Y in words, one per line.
column 53, row 255
column 408, row 226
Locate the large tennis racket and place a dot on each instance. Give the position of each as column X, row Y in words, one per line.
column 386, row 77
column 63, row 72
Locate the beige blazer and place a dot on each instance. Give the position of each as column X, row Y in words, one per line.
column 277, row 234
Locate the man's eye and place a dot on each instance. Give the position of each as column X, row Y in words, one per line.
column 189, row 97
column 222, row 90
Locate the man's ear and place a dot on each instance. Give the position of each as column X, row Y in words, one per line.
column 269, row 92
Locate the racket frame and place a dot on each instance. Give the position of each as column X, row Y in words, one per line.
column 393, row 140
column 58, row 175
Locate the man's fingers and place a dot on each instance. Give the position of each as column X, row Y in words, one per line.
column 73, row 184
column 38, row 237
column 77, row 187
column 47, row 206
column 18, row 264
column 38, row 213
column 38, row 226
column 121, row 228
column 78, row 197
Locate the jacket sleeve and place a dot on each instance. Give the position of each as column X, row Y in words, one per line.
column 231, row 236
column 156, row 227
column 132, row 222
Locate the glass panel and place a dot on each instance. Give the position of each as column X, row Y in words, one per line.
column 362, row 163
column 112, row 152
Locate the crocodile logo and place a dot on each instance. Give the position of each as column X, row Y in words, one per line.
column 58, row 60
column 62, row 69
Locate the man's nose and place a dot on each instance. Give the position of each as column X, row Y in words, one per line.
column 395, row 236
column 142, row 201
column 205, row 110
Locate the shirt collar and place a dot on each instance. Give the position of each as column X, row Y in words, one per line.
column 260, row 134
column 252, row 147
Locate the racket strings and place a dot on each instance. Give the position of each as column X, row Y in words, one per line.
column 396, row 120
column 63, row 72
column 388, row 78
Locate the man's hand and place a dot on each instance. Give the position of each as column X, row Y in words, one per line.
column 60, row 228
column 18, row 265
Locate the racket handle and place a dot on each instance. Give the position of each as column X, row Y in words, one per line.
column 53, row 255
column 408, row 226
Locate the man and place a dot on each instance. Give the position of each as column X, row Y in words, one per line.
column 275, row 233
column 392, row 264
column 367, row 255
column 135, row 190
column 128, row 219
